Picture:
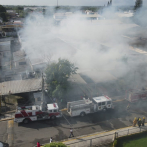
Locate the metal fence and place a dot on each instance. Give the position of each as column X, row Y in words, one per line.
column 101, row 140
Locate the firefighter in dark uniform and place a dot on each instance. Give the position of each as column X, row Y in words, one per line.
column 139, row 122
column 143, row 121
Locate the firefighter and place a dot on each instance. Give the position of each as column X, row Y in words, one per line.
column 138, row 119
column 134, row 122
column 51, row 139
column 128, row 106
column 139, row 122
column 143, row 121
column 71, row 133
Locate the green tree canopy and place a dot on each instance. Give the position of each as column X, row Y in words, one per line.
column 19, row 8
column 3, row 13
column 109, row 3
column 57, row 75
column 55, row 144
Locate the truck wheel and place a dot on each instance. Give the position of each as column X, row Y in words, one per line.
column 82, row 114
column 53, row 117
column 26, row 121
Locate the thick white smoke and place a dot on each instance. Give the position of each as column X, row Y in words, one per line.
column 90, row 44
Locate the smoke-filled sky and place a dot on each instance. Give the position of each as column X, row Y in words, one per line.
column 67, row 2
column 90, row 44
column 77, row 40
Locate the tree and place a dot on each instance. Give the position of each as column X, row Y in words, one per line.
column 57, row 75
column 110, row 2
column 55, row 144
column 19, row 9
column 44, row 11
column 138, row 4
column 3, row 13
column 140, row 13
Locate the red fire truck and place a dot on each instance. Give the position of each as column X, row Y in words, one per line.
column 34, row 113
column 136, row 95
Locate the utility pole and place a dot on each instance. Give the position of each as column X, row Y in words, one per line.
column 0, row 103
column 43, row 103
column 57, row 3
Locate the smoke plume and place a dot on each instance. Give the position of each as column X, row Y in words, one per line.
column 93, row 45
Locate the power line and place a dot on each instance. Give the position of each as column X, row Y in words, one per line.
column 57, row 3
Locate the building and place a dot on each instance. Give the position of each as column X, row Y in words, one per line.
column 10, row 29
column 38, row 64
column 61, row 16
column 20, row 62
column 21, row 86
column 89, row 12
column 5, row 54
column 90, row 15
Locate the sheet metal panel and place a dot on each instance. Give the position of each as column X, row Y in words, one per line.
column 20, row 86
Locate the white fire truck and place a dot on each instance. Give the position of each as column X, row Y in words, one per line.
column 34, row 113
column 136, row 95
column 86, row 106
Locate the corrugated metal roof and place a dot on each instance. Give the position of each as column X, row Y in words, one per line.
column 20, row 86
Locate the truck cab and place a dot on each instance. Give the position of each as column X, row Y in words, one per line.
column 102, row 103
column 53, row 110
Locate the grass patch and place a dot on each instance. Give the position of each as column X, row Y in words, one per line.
column 133, row 141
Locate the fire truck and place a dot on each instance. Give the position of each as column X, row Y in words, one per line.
column 34, row 113
column 86, row 106
column 136, row 95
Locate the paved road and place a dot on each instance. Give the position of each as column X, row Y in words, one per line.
column 102, row 138
column 29, row 134
column 3, row 131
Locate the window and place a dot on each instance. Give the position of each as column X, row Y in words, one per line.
column 22, row 63
column 50, row 110
column 103, row 103
column 55, row 110
column 109, row 102
column 8, row 78
column 39, row 98
column 99, row 104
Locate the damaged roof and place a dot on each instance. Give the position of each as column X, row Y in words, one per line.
column 20, row 86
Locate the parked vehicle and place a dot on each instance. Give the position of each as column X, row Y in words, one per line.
column 34, row 113
column 136, row 95
column 75, row 108
column 2, row 144
column 86, row 106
